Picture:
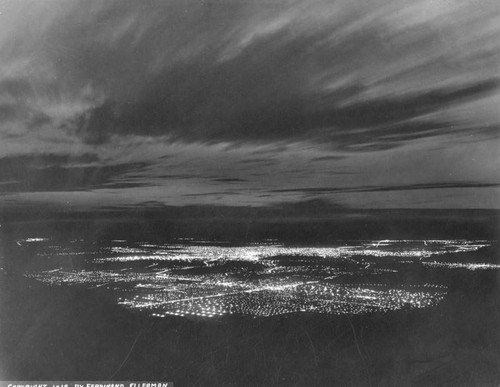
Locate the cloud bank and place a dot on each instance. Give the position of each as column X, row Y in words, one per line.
column 140, row 85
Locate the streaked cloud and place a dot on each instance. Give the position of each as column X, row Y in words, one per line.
column 248, row 103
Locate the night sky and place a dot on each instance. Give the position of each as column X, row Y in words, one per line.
column 362, row 104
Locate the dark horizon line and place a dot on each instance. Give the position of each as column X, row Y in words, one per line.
column 319, row 210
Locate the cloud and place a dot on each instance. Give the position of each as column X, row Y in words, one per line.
column 320, row 190
column 352, row 75
column 245, row 100
column 62, row 172
column 229, row 180
column 242, row 102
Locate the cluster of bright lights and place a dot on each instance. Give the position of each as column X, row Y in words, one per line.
column 215, row 295
column 255, row 252
column 309, row 298
column 468, row 266
column 197, row 278
column 89, row 278
column 31, row 240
